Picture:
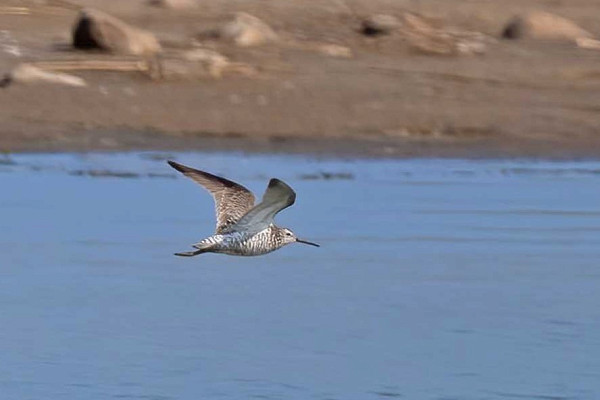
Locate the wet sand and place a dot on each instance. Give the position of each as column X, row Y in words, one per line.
column 519, row 98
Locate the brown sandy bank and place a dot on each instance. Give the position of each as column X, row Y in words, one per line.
column 518, row 98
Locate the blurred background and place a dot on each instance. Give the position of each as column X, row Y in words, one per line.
column 391, row 77
column 445, row 154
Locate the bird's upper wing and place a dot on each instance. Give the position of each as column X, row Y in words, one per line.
column 232, row 200
column 277, row 197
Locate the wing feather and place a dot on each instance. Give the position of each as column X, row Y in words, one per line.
column 232, row 200
column 277, row 197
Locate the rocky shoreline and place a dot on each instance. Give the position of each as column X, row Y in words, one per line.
column 356, row 78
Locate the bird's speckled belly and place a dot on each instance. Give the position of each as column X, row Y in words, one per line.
column 241, row 243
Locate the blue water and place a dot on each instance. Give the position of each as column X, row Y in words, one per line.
column 436, row 279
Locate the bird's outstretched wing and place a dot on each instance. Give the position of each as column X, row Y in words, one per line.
column 277, row 197
column 232, row 200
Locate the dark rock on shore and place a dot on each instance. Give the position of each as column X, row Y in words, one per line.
column 543, row 26
column 97, row 30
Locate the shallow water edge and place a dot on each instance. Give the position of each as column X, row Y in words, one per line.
column 377, row 146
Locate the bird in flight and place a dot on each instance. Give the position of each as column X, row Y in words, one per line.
column 243, row 229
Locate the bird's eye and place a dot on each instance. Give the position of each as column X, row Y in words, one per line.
column 288, row 234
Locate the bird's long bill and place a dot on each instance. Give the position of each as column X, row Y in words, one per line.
column 307, row 242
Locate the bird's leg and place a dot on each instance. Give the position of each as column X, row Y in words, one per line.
column 204, row 246
column 191, row 253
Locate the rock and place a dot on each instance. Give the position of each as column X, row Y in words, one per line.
column 335, row 50
column 471, row 42
column 174, row 4
column 380, row 24
column 177, row 69
column 544, row 26
column 425, row 38
column 97, row 30
column 213, row 62
column 198, row 64
column 205, row 55
column 246, row 30
column 587, row 43
column 427, row 35
column 27, row 73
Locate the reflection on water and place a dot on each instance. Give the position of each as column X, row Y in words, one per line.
column 436, row 279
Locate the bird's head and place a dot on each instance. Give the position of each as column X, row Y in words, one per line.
column 290, row 237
